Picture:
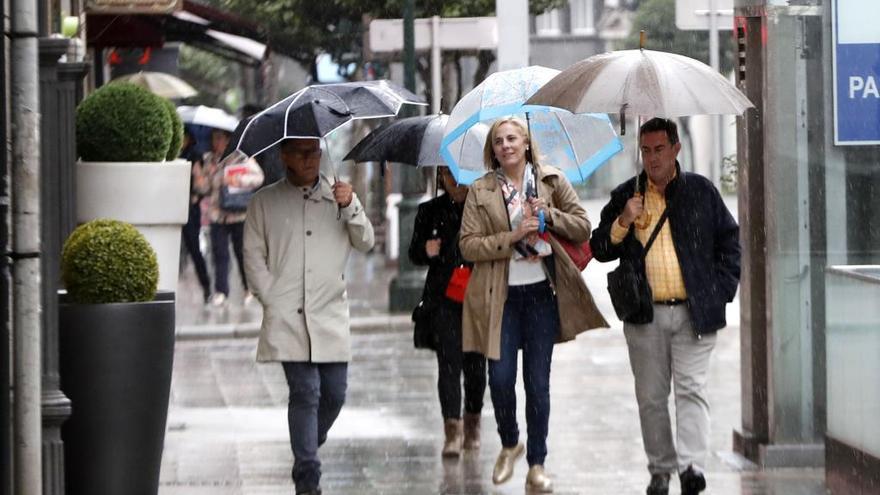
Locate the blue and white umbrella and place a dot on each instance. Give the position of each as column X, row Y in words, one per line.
column 578, row 144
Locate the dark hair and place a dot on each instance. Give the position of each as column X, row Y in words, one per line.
column 658, row 124
column 249, row 109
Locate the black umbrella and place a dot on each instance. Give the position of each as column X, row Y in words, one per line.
column 316, row 111
column 414, row 141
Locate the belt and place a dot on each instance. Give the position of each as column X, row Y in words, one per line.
column 672, row 302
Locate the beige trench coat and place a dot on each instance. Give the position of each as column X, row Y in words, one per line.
column 485, row 240
column 295, row 252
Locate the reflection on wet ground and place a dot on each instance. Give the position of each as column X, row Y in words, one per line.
column 227, row 431
column 227, row 426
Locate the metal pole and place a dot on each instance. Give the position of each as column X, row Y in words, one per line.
column 25, row 108
column 406, row 287
column 716, row 119
column 5, row 282
column 436, row 85
column 409, row 45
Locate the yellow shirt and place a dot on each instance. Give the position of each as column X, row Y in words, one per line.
column 661, row 262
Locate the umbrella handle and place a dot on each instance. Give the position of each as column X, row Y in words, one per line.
column 338, row 206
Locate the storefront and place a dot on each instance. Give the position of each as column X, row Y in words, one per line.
column 809, row 192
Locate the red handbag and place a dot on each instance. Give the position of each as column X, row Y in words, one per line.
column 458, row 283
column 579, row 254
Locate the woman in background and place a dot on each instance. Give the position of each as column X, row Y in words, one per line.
column 435, row 244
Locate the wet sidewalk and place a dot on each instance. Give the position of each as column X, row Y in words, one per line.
column 227, row 430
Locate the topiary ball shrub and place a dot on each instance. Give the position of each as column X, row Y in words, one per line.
column 123, row 122
column 176, row 130
column 108, row 261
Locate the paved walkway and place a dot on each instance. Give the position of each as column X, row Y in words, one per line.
column 227, row 430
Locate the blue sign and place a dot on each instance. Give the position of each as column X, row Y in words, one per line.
column 856, row 72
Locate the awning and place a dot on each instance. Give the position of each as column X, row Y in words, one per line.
column 247, row 46
column 200, row 25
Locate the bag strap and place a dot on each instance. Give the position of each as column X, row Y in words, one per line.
column 656, row 230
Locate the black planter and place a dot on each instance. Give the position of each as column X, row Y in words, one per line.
column 115, row 366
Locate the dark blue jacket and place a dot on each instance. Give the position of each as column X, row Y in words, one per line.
column 706, row 239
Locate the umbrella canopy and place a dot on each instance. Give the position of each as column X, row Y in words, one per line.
column 207, row 116
column 316, row 111
column 642, row 82
column 414, row 141
column 160, row 83
column 576, row 144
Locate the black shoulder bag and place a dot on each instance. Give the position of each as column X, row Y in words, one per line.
column 628, row 284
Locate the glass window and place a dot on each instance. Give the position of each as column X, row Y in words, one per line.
column 582, row 17
column 547, row 24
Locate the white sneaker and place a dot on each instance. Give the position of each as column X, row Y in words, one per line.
column 248, row 298
column 218, row 299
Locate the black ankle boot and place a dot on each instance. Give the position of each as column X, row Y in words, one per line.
column 692, row 481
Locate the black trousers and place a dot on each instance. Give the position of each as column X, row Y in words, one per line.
column 191, row 241
column 452, row 363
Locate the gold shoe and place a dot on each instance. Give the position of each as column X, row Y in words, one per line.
column 537, row 480
column 506, row 460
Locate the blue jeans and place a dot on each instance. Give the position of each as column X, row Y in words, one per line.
column 317, row 392
column 531, row 323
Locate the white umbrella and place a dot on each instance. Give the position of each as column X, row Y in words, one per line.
column 642, row 82
column 160, row 83
column 207, row 116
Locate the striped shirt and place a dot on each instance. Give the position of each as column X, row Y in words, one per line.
column 661, row 262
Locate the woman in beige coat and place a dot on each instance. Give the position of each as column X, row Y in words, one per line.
column 524, row 293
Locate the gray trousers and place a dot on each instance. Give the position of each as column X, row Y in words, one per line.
column 663, row 351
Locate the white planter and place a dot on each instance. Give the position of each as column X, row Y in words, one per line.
column 153, row 196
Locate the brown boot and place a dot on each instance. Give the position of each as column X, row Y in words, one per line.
column 452, row 445
column 471, row 431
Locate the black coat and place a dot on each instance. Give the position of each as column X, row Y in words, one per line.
column 443, row 216
column 706, row 239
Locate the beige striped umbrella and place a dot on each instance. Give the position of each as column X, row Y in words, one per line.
column 160, row 83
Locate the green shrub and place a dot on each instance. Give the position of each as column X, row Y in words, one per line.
column 123, row 122
column 176, row 130
column 108, row 261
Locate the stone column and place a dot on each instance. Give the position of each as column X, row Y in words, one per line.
column 60, row 91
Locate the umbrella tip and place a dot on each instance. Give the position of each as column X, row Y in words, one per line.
column 642, row 39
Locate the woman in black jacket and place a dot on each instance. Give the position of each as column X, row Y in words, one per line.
column 438, row 326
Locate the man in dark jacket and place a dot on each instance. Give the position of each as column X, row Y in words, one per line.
column 692, row 269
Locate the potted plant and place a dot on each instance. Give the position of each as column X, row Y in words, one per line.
column 127, row 140
column 116, row 350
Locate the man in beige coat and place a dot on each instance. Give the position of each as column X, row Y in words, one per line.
column 298, row 235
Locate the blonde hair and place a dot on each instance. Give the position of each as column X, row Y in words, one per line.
column 489, row 159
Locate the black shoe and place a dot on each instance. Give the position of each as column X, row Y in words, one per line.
column 315, row 491
column 692, row 481
column 659, row 484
